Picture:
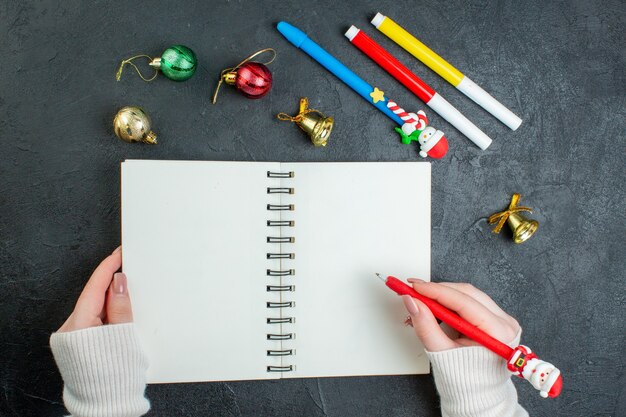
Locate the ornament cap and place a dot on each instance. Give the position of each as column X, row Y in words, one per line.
column 230, row 78
column 150, row 138
column 155, row 63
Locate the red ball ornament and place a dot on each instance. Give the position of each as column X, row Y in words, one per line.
column 252, row 79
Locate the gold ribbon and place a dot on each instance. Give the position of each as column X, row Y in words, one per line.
column 227, row 70
column 304, row 103
column 130, row 62
column 504, row 215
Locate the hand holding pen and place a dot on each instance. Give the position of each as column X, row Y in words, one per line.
column 469, row 302
column 478, row 321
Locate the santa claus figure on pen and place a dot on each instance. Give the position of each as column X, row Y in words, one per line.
column 415, row 128
column 541, row 374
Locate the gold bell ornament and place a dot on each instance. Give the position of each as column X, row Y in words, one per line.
column 314, row 123
column 522, row 228
column 132, row 124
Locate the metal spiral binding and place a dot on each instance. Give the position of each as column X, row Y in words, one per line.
column 285, row 273
column 279, row 190
column 274, row 239
column 281, row 256
column 288, row 336
column 280, row 207
column 286, row 352
column 281, row 223
column 280, row 174
column 280, row 304
column 280, row 368
column 279, row 288
column 280, row 320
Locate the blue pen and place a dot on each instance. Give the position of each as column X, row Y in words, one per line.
column 372, row 95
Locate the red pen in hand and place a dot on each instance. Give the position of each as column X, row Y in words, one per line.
column 521, row 361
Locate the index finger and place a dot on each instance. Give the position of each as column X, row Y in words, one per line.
column 92, row 297
column 480, row 296
column 464, row 305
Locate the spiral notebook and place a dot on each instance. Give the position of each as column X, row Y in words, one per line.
column 265, row 270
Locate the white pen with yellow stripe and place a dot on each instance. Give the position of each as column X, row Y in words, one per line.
column 455, row 77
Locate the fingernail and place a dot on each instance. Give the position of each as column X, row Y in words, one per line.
column 410, row 305
column 415, row 280
column 119, row 248
column 119, row 283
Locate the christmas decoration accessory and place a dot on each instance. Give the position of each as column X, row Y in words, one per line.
column 372, row 95
column 313, row 122
column 415, row 128
column 177, row 63
column 252, row 79
column 521, row 361
column 432, row 99
column 132, row 124
column 522, row 228
column 541, row 374
column 420, row 51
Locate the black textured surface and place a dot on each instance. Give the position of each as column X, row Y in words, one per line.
column 560, row 65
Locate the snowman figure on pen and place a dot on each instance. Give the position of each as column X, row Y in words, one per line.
column 415, row 128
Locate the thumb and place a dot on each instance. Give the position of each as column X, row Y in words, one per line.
column 426, row 327
column 118, row 308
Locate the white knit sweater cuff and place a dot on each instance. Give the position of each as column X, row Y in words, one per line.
column 104, row 370
column 473, row 381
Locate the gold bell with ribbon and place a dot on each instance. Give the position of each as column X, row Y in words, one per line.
column 313, row 122
column 522, row 228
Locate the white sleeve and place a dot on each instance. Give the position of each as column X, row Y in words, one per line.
column 104, row 371
column 473, row 381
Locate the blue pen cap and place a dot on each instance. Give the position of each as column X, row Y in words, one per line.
column 292, row 33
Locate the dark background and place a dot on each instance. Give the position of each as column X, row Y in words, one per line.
column 560, row 65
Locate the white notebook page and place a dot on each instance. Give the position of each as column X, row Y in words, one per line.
column 352, row 220
column 193, row 236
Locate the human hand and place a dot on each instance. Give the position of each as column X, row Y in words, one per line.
column 468, row 302
column 104, row 299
